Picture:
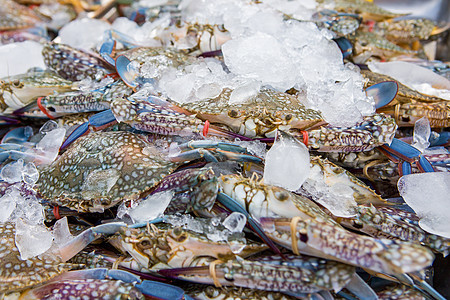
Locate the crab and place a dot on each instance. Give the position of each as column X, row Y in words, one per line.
column 103, row 169
column 410, row 105
column 18, row 91
column 164, row 246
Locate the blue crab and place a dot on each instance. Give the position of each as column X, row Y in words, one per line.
column 104, row 168
column 18, row 91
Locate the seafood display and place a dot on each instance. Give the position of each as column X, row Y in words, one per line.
column 222, row 150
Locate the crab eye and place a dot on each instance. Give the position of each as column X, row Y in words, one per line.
column 145, row 244
column 229, row 277
column 177, row 231
column 288, row 117
column 16, row 83
column 234, row 113
column 281, row 195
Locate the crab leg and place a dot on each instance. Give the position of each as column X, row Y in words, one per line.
column 71, row 248
column 304, row 275
column 331, row 242
column 401, row 151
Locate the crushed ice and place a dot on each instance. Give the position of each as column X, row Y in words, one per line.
column 421, row 134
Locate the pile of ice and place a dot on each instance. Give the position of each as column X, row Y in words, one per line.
column 86, row 33
column 21, row 206
column 336, row 196
column 285, row 54
column 35, row 239
column 428, row 195
column 19, row 171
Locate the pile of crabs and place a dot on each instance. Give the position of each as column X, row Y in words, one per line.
column 165, row 166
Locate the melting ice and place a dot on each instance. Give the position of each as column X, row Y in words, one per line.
column 428, row 195
column 287, row 163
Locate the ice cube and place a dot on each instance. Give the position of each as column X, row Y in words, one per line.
column 428, row 195
column 48, row 146
column 30, row 174
column 31, row 239
column 12, row 56
column 235, row 222
column 84, row 33
column 151, row 207
column 8, row 204
column 48, row 126
column 287, row 163
column 421, row 135
column 12, row 172
column 61, row 232
column 244, row 92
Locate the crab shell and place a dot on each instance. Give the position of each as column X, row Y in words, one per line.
column 260, row 115
column 102, row 169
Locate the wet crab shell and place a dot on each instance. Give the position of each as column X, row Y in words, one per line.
column 102, row 169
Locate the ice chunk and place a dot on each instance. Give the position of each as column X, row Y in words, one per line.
column 32, row 240
column 48, row 126
column 48, row 146
column 151, row 207
column 8, row 204
column 61, row 232
column 12, row 172
column 235, row 222
column 287, row 163
column 421, row 135
column 84, row 33
column 428, row 195
column 244, row 92
column 415, row 77
column 99, row 182
column 255, row 147
column 30, row 174
column 12, row 56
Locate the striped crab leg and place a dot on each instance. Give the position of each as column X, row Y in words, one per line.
column 315, row 238
column 296, row 275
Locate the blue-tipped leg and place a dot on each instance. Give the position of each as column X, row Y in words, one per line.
column 345, row 46
column 406, row 154
column 159, row 290
column 100, row 119
column 18, row 135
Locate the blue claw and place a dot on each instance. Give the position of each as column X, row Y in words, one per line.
column 79, row 131
column 100, row 119
column 345, row 46
column 400, row 151
column 383, row 93
column 18, row 135
column 439, row 139
column 232, row 205
column 129, row 73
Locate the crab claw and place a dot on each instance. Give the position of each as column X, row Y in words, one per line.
column 130, row 73
column 232, row 205
column 400, row 151
column 71, row 248
column 383, row 92
column 99, row 120
column 107, row 49
column 17, row 135
column 345, row 46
